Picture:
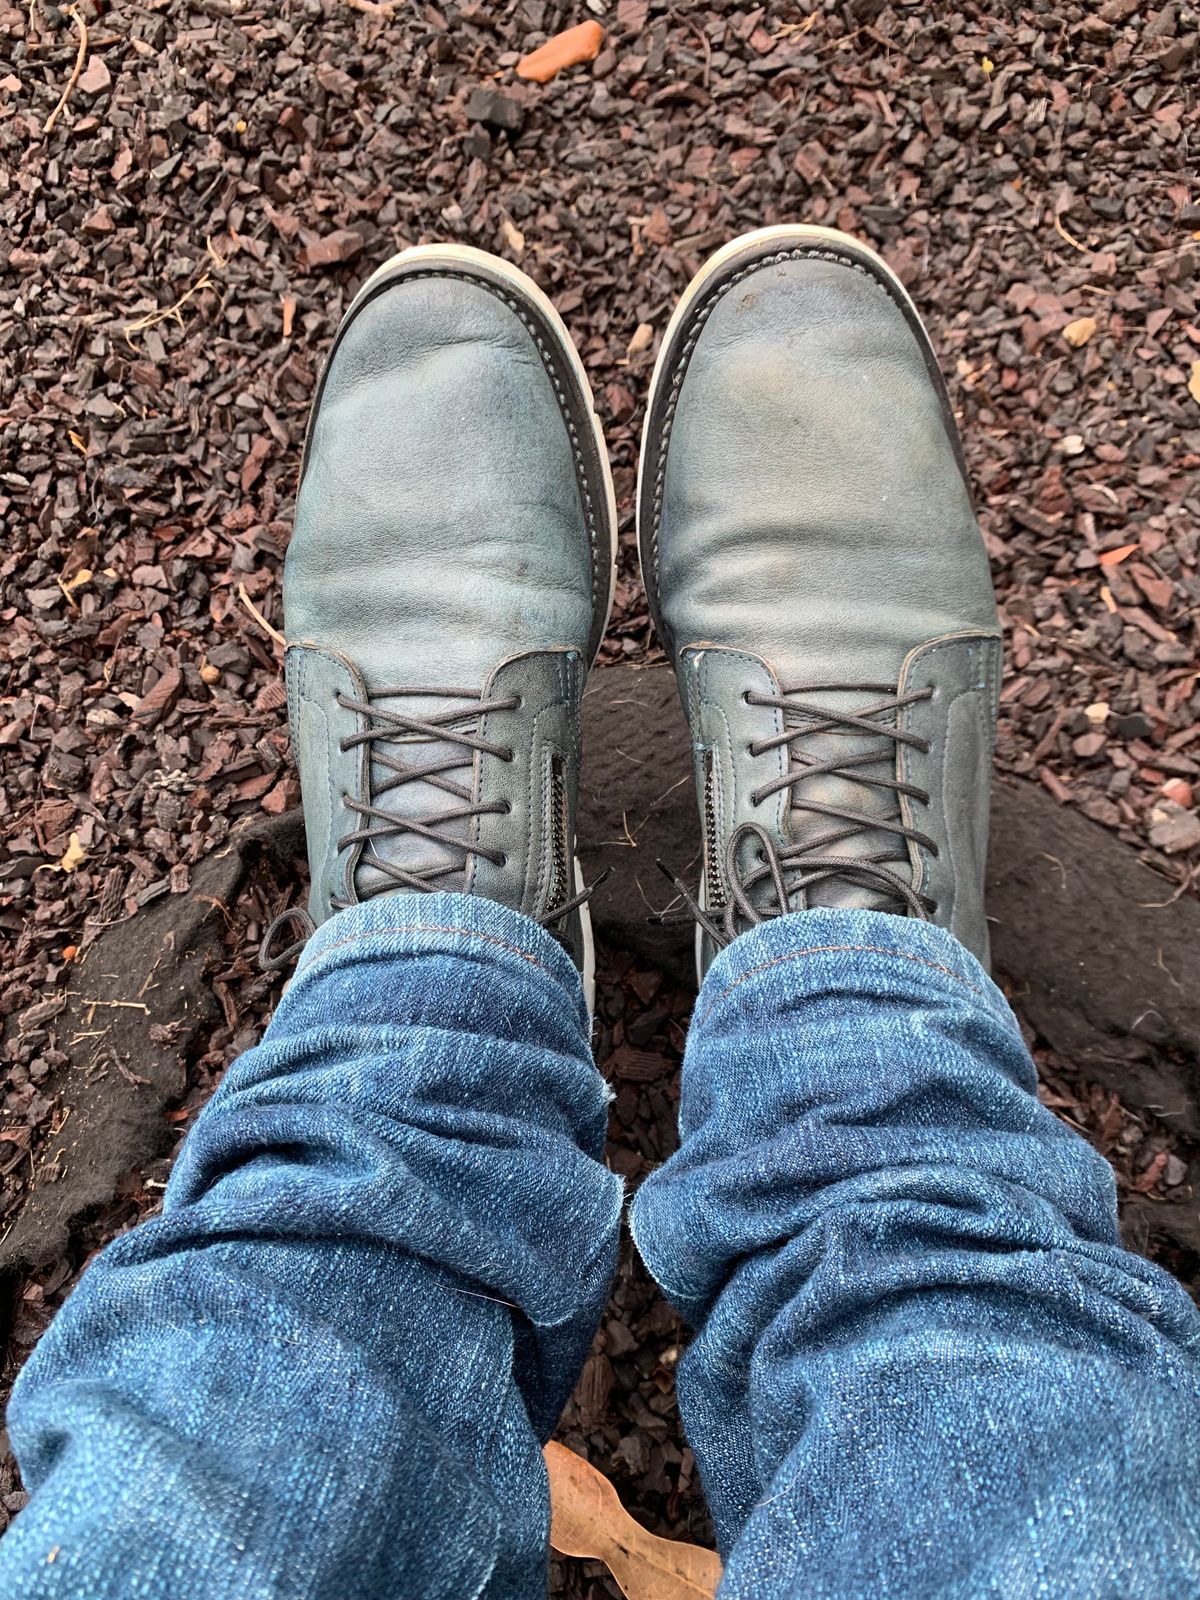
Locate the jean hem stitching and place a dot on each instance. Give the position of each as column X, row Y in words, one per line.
column 842, row 949
column 428, row 927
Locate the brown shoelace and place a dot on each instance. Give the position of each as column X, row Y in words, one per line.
column 795, row 869
column 389, row 725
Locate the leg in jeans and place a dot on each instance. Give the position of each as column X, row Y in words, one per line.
column 924, row 1365
column 326, row 1370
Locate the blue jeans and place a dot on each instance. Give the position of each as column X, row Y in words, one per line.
column 924, row 1365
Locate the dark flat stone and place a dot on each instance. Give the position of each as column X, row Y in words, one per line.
column 137, row 1004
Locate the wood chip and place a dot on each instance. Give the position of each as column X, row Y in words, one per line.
column 1078, row 333
column 571, row 48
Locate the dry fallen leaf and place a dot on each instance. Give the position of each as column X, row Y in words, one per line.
column 513, row 237
column 84, row 575
column 1080, row 331
column 74, row 855
column 1113, row 558
column 1194, row 382
column 643, row 338
column 587, row 1519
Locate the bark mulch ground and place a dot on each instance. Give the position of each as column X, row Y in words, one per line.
column 177, row 247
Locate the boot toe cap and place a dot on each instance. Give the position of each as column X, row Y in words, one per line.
column 442, row 489
column 810, row 483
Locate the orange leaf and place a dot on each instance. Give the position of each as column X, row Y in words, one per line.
column 567, row 49
column 1113, row 558
column 587, row 1519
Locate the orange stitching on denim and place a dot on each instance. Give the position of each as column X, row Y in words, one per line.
column 427, row 927
column 839, row 949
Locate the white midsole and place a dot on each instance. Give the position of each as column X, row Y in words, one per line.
column 588, row 970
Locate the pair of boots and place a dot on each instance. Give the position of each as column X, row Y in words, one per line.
column 811, row 559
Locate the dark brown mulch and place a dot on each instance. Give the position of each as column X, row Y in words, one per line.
column 1025, row 169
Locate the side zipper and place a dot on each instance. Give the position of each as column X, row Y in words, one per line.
column 714, row 894
column 561, row 886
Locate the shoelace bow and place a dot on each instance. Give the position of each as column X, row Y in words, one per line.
column 389, row 725
column 797, row 868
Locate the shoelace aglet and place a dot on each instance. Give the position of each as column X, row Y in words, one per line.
column 694, row 907
column 577, row 900
column 676, row 883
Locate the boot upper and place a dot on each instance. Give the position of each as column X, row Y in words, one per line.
column 445, row 591
column 440, row 523
column 816, row 569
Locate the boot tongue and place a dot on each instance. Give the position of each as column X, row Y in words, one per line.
column 418, row 799
column 818, row 833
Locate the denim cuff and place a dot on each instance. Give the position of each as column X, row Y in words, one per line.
column 391, row 925
column 869, row 954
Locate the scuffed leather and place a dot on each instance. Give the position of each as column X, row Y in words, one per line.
column 440, row 509
column 445, row 537
column 813, row 508
column 814, row 529
column 315, row 679
column 713, row 683
column 550, row 688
